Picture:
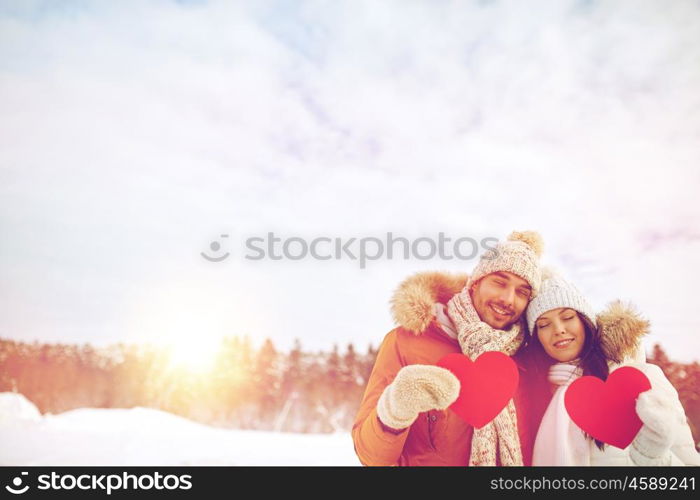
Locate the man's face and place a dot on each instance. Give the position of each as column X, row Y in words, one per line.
column 500, row 298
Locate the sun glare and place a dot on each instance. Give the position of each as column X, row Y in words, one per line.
column 196, row 356
column 188, row 324
column 193, row 343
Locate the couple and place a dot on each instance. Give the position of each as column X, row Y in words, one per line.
column 403, row 419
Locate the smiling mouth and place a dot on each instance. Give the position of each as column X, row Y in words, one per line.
column 563, row 343
column 500, row 312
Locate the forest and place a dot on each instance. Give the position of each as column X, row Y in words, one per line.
column 244, row 387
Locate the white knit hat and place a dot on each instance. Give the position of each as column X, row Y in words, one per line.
column 519, row 254
column 556, row 292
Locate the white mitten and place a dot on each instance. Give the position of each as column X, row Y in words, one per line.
column 416, row 388
column 661, row 413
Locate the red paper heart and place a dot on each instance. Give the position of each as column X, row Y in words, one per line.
column 606, row 410
column 486, row 385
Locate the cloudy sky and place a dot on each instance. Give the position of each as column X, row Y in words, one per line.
column 134, row 134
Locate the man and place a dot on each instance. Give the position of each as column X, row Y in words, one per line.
column 402, row 418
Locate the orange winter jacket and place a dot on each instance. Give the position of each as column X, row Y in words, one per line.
column 436, row 437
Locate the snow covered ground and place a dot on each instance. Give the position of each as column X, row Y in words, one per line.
column 143, row 436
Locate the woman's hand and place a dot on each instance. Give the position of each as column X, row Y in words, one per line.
column 661, row 413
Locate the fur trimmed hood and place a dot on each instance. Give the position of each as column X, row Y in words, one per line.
column 621, row 330
column 412, row 307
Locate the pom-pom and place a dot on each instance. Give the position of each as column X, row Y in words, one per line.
column 530, row 238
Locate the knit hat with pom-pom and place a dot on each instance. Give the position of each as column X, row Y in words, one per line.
column 519, row 254
column 555, row 293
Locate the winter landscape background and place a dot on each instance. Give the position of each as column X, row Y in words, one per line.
column 138, row 138
column 140, row 405
column 142, row 436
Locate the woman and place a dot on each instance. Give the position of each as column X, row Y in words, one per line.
column 570, row 342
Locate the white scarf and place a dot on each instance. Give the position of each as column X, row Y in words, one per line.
column 559, row 440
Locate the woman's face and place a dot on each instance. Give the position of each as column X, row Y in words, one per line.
column 561, row 333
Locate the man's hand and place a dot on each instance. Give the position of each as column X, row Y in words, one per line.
column 416, row 388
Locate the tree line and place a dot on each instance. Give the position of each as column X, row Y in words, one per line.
column 244, row 387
